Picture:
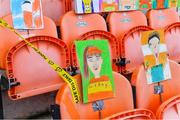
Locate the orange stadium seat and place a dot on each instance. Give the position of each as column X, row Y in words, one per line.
column 145, row 97
column 136, row 114
column 159, row 19
column 130, row 47
column 172, row 35
column 121, row 106
column 72, row 26
column 54, row 9
column 8, row 38
column 4, row 7
column 99, row 34
column 121, row 102
column 169, row 109
column 121, row 22
column 31, row 75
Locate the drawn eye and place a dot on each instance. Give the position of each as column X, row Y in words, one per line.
column 90, row 58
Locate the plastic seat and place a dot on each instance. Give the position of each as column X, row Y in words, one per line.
column 99, row 34
column 5, row 8
column 133, row 115
column 121, row 22
column 145, row 97
column 8, row 38
column 73, row 26
column 130, row 47
column 169, row 109
column 54, row 9
column 32, row 72
column 172, row 35
column 121, row 102
column 159, row 19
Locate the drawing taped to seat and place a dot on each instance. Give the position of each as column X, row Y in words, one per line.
column 155, row 56
column 27, row 14
column 109, row 5
column 96, row 70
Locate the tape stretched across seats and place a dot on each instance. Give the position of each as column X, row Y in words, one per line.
column 145, row 97
column 172, row 35
column 98, row 34
column 121, row 22
column 169, row 109
column 159, row 19
column 120, row 103
column 130, row 47
column 8, row 39
column 35, row 76
column 73, row 26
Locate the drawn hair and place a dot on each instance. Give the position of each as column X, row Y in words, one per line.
column 152, row 35
column 26, row 1
column 86, row 72
column 95, row 50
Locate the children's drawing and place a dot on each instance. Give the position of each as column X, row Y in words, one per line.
column 87, row 6
column 145, row 5
column 172, row 3
column 158, row 4
column 96, row 70
column 108, row 5
column 27, row 14
column 126, row 5
column 155, row 56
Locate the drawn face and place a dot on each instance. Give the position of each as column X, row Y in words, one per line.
column 94, row 63
column 154, row 44
column 27, row 6
column 127, row 4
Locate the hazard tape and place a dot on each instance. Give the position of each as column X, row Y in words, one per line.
column 61, row 72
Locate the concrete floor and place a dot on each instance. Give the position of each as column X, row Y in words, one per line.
column 36, row 107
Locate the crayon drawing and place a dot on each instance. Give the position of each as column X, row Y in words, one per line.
column 27, row 14
column 155, row 56
column 96, row 70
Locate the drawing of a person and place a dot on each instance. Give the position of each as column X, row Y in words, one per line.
column 87, row 6
column 27, row 13
column 99, row 86
column 127, row 4
column 156, row 62
column 109, row 5
column 31, row 13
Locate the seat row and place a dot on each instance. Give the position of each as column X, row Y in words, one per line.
column 34, row 76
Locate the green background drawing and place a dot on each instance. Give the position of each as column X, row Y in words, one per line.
column 106, row 68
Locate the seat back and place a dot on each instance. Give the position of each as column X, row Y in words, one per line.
column 145, row 92
column 4, row 7
column 99, row 34
column 159, row 19
column 130, row 47
column 9, row 39
column 32, row 72
column 119, row 103
column 172, row 35
column 73, row 26
column 121, row 22
column 54, row 9
column 133, row 115
column 169, row 109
